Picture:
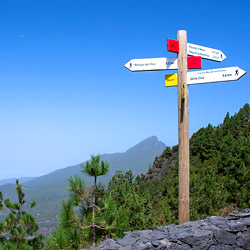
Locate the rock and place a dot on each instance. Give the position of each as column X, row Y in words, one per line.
column 158, row 235
column 221, row 247
column 213, row 233
column 108, row 244
column 225, row 237
column 217, row 221
column 127, row 240
column 236, row 226
column 243, row 240
column 164, row 244
column 128, row 247
column 175, row 246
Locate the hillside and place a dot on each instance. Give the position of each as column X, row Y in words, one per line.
column 48, row 190
column 219, row 177
column 219, row 171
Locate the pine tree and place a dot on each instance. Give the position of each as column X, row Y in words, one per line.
column 95, row 168
column 19, row 229
column 87, row 215
column 136, row 201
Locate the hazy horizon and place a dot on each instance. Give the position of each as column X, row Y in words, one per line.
column 18, row 177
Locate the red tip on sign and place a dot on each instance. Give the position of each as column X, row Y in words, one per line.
column 194, row 62
column 173, row 46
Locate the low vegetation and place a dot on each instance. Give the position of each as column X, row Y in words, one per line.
column 18, row 231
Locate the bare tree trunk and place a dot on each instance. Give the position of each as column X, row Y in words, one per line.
column 93, row 214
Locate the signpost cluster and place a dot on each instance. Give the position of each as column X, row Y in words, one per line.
column 182, row 79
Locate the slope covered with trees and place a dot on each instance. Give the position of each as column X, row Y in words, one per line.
column 219, row 177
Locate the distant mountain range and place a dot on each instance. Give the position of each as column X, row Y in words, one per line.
column 13, row 180
column 50, row 189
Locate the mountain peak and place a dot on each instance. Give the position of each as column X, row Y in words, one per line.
column 151, row 138
column 147, row 143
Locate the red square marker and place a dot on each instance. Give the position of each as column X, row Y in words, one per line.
column 194, row 62
column 173, row 46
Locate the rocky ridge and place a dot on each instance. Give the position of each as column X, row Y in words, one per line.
column 212, row 233
column 166, row 160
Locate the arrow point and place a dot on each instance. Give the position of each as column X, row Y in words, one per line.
column 128, row 65
column 223, row 56
column 241, row 72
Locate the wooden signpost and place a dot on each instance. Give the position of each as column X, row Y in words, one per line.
column 184, row 78
column 183, row 128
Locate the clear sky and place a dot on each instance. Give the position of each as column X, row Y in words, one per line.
column 65, row 94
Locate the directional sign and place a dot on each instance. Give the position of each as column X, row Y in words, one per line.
column 207, row 76
column 152, row 64
column 205, row 52
column 215, row 75
column 197, row 50
column 169, row 63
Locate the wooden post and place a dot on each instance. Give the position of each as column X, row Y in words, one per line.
column 183, row 124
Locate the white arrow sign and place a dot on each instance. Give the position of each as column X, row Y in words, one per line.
column 148, row 64
column 207, row 76
column 215, row 75
column 205, row 52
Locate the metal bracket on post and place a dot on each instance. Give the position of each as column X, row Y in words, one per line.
column 183, row 93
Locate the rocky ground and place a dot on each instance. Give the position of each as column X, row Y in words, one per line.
column 213, row 233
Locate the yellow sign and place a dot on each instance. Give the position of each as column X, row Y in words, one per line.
column 171, row 80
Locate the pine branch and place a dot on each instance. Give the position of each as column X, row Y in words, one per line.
column 100, row 209
column 103, row 228
column 85, row 227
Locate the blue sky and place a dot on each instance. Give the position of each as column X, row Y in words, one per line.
column 65, row 94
